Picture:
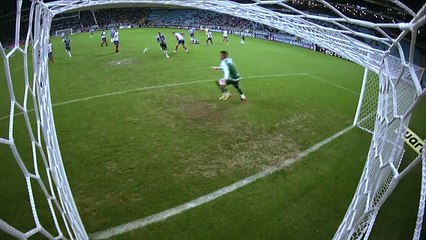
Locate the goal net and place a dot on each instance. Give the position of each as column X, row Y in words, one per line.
column 391, row 89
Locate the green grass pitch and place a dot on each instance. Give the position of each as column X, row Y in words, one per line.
column 140, row 134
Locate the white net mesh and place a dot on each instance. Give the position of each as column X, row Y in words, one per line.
column 391, row 90
column 29, row 98
column 367, row 107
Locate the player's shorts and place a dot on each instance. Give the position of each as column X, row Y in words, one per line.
column 209, row 39
column 104, row 39
column 225, row 37
column 116, row 43
column 68, row 48
column 181, row 42
column 244, row 38
column 192, row 35
column 163, row 46
column 233, row 82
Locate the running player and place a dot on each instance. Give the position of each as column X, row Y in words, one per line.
column 209, row 37
column 67, row 42
column 243, row 38
column 180, row 41
column 225, row 36
column 161, row 39
column 116, row 42
column 50, row 53
column 230, row 76
column 103, row 38
column 192, row 34
column 91, row 32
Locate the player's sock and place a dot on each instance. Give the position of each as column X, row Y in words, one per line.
column 225, row 95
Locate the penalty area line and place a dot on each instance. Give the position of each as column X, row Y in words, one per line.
column 154, row 87
column 142, row 222
column 167, row 85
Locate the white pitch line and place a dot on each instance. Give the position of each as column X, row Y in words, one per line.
column 185, row 83
column 142, row 222
column 156, row 87
column 166, row 85
column 332, row 83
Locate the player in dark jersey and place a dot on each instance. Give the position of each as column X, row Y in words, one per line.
column 50, row 53
column 243, row 37
column 67, row 43
column 161, row 39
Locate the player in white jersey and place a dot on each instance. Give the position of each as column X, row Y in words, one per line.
column 225, row 36
column 111, row 34
column 104, row 39
column 50, row 53
column 192, row 34
column 180, row 41
column 209, row 37
column 230, row 77
column 116, row 42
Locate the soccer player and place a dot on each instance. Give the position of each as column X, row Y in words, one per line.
column 111, row 33
column 161, row 39
column 225, row 36
column 103, row 38
column 230, row 77
column 50, row 53
column 91, row 32
column 180, row 41
column 209, row 37
column 192, row 34
column 67, row 42
column 116, row 42
column 243, row 38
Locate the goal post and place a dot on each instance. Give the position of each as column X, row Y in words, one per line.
column 390, row 92
column 63, row 32
column 42, row 168
column 365, row 115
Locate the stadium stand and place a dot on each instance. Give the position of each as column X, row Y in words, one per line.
column 82, row 21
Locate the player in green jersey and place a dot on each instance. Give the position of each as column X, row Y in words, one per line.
column 230, row 76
